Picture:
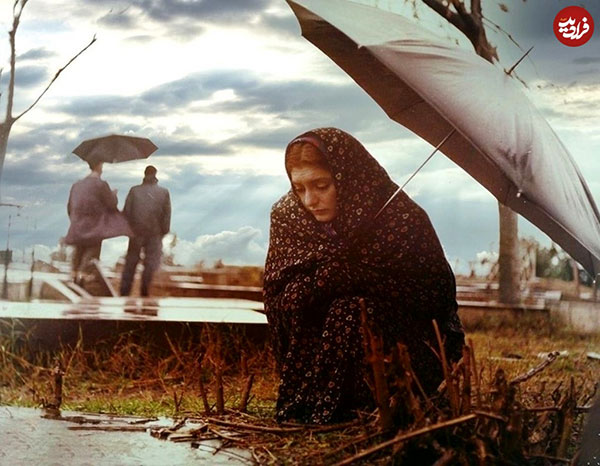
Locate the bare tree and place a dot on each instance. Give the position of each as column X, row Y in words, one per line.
column 470, row 23
column 10, row 119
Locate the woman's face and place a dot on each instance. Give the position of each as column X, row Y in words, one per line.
column 315, row 188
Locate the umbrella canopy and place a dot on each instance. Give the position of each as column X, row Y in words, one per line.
column 430, row 87
column 115, row 148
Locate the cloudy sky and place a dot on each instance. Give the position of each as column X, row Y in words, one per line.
column 221, row 86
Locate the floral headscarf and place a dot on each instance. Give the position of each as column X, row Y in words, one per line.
column 400, row 249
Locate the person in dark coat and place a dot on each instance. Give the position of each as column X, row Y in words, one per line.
column 92, row 210
column 148, row 209
column 326, row 252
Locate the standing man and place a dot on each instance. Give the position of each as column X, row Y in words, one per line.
column 148, row 209
column 94, row 216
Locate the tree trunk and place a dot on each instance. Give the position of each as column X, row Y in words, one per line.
column 508, row 257
column 470, row 23
column 509, row 260
column 4, row 133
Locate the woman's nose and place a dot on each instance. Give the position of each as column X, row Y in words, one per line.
column 310, row 198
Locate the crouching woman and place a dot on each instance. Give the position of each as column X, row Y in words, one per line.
column 327, row 250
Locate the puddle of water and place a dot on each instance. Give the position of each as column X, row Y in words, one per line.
column 215, row 310
column 27, row 438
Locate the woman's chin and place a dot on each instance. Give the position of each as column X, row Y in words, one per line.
column 324, row 217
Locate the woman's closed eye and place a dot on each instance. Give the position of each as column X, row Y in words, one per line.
column 322, row 187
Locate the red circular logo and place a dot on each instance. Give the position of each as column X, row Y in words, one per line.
column 573, row 26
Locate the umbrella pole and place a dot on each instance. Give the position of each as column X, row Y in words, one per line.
column 393, row 196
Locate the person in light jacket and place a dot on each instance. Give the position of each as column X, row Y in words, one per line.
column 148, row 209
column 92, row 210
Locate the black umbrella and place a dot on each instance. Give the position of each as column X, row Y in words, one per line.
column 115, row 148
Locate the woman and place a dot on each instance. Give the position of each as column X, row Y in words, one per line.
column 327, row 250
column 94, row 216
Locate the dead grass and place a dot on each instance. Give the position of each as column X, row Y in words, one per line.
column 128, row 374
column 516, row 351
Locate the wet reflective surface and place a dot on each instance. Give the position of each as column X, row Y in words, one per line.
column 169, row 309
column 27, row 438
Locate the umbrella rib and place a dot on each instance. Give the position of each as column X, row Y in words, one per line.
column 519, row 61
column 392, row 197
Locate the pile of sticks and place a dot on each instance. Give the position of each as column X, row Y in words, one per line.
column 464, row 422
column 470, row 420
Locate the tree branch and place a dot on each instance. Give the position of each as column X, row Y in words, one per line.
column 459, row 6
column 469, row 23
column 55, row 78
column 17, row 11
column 446, row 13
column 550, row 358
column 472, row 22
column 503, row 31
column 476, row 8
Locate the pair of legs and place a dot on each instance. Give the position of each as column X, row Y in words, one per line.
column 152, row 247
column 322, row 364
column 82, row 260
column 322, row 370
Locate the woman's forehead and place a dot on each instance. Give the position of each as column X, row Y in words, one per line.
column 309, row 173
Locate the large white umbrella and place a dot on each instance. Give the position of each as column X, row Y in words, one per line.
column 432, row 88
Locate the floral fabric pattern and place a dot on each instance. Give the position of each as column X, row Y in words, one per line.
column 316, row 273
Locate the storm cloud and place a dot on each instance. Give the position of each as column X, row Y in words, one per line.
column 222, row 120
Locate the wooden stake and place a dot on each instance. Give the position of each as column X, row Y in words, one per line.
column 567, row 413
column 220, row 391
column 246, row 393
column 466, row 388
column 244, row 364
column 58, row 374
column 450, row 386
column 177, row 399
column 410, row 399
column 475, row 374
column 375, row 357
column 216, row 359
column 203, row 394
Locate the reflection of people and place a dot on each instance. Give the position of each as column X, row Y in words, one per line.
column 326, row 251
column 148, row 209
column 94, row 216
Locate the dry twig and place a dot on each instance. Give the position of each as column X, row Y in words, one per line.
column 536, row 370
column 407, row 436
